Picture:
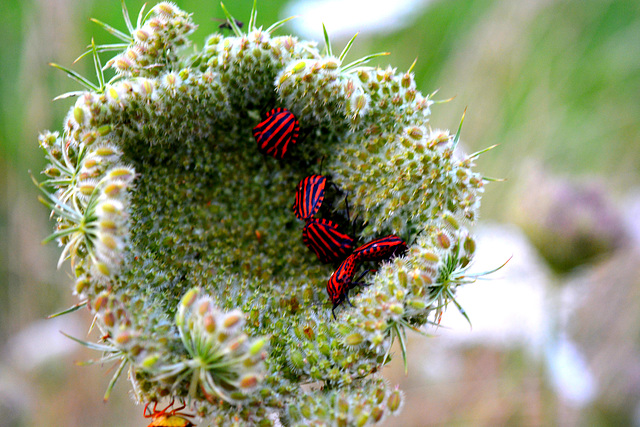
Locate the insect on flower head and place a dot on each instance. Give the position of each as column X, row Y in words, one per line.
column 165, row 418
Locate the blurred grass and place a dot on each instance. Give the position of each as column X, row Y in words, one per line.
column 553, row 80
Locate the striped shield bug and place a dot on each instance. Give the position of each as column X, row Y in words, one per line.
column 165, row 418
column 341, row 281
column 324, row 239
column 279, row 129
column 309, row 196
column 380, row 249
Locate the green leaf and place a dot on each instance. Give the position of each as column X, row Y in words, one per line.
column 97, row 65
column 490, row 179
column 254, row 15
column 103, row 48
column 439, row 101
column 61, row 233
column 91, row 345
column 279, row 24
column 363, row 60
column 403, row 346
column 69, row 310
column 77, row 77
column 413, row 64
column 55, row 204
column 327, row 42
column 115, row 78
column 459, row 307
column 114, row 379
column 485, row 273
column 347, row 47
column 119, row 34
column 102, row 360
column 457, row 137
column 69, row 95
column 141, row 16
column 478, row 153
column 415, row 329
column 231, row 20
column 127, row 19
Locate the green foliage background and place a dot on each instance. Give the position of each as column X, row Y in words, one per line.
column 553, row 80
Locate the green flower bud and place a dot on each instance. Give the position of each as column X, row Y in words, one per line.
column 52, row 172
column 149, row 361
column 189, row 297
column 443, row 240
column 232, row 319
column 417, row 304
column 394, row 401
column 78, row 115
column 377, row 413
column 353, row 340
column 123, row 337
column 297, row 360
column 104, row 130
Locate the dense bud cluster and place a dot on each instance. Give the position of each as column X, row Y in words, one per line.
column 235, row 60
column 367, row 406
column 154, row 45
column 405, row 178
column 90, row 176
column 223, row 363
column 321, row 94
column 184, row 245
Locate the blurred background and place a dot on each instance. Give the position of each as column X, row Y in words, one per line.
column 556, row 83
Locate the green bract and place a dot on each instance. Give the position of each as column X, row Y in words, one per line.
column 182, row 238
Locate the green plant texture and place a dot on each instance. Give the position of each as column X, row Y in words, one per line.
column 182, row 238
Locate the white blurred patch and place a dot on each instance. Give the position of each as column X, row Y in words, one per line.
column 344, row 18
column 631, row 214
column 508, row 307
column 518, row 306
column 569, row 373
column 41, row 341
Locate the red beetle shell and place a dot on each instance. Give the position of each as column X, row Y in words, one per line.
column 276, row 132
column 380, row 249
column 323, row 238
column 309, row 196
column 339, row 283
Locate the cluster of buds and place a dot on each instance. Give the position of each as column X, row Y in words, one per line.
column 403, row 180
column 223, row 363
column 163, row 33
column 90, row 195
column 114, row 322
column 236, row 58
column 322, row 93
column 370, row 405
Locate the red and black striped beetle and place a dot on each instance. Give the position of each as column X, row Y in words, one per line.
column 323, row 238
column 309, row 196
column 341, row 281
column 380, row 249
column 274, row 134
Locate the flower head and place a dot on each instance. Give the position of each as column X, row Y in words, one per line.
column 182, row 237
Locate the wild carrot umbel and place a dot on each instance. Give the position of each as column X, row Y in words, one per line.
column 181, row 236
